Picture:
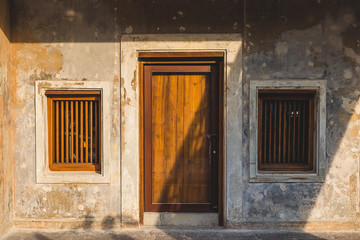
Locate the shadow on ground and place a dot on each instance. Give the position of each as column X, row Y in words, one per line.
column 178, row 233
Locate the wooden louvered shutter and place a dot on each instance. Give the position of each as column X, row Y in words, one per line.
column 74, row 127
column 285, row 130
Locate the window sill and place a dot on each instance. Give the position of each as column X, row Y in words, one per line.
column 71, row 177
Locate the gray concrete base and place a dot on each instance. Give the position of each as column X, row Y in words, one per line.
column 176, row 233
column 180, row 219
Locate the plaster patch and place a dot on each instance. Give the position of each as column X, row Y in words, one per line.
column 348, row 105
column 129, row 29
column 281, row 48
column 348, row 73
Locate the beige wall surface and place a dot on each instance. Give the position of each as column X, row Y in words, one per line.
column 6, row 124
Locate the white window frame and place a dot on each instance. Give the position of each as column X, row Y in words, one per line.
column 43, row 174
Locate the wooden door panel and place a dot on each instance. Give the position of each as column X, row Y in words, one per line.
column 178, row 163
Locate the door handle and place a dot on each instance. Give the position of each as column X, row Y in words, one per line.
column 212, row 150
column 214, row 169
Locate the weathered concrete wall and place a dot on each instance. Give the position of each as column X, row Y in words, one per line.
column 76, row 40
column 308, row 40
column 45, row 58
column 6, row 124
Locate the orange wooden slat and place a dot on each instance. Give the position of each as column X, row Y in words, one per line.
column 96, row 152
column 57, row 160
column 72, row 131
column 62, row 132
column 77, row 131
column 91, row 131
column 67, row 130
column 81, row 131
column 87, row 131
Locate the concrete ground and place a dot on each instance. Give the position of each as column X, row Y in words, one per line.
column 176, row 233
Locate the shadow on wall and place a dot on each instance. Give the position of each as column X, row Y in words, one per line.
column 5, row 17
column 44, row 21
column 324, row 50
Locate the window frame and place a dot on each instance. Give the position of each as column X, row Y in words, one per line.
column 43, row 172
column 319, row 138
column 58, row 95
column 287, row 95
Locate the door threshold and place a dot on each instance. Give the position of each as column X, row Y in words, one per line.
column 181, row 219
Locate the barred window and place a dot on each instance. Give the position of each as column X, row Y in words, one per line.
column 286, row 130
column 74, row 128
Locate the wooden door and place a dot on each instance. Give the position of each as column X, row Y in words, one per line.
column 181, row 127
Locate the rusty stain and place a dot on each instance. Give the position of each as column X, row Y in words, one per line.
column 116, row 78
column 133, row 82
column 43, row 85
column 30, row 56
column 354, row 198
column 124, row 101
column 122, row 131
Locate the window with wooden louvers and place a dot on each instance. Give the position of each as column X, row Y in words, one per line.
column 74, row 127
column 285, row 130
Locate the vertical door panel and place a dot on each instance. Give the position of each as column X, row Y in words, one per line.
column 178, row 163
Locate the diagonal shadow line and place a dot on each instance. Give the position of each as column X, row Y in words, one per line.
column 188, row 154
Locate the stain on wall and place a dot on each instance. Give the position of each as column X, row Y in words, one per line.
column 51, row 51
column 6, row 124
column 307, row 40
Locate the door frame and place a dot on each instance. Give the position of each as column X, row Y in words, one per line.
column 189, row 58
